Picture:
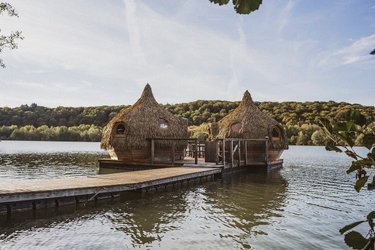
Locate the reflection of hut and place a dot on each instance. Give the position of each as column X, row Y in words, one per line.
column 248, row 122
column 126, row 136
column 249, row 202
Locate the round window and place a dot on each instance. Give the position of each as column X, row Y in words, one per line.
column 236, row 127
column 120, row 129
column 163, row 123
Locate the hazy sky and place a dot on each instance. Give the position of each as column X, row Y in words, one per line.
column 85, row 53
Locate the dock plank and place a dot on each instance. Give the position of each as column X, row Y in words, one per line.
column 22, row 190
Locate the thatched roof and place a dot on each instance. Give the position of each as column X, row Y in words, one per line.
column 253, row 124
column 141, row 122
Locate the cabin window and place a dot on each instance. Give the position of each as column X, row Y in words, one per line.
column 120, row 129
column 163, row 123
column 276, row 133
column 236, row 127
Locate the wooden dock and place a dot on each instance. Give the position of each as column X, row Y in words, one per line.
column 47, row 193
column 33, row 194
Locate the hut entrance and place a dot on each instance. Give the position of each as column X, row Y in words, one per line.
column 276, row 134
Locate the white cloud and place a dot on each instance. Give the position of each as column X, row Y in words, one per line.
column 285, row 14
column 96, row 54
column 357, row 52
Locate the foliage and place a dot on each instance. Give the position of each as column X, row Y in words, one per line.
column 300, row 119
column 200, row 132
column 8, row 41
column 241, row 6
column 342, row 134
column 45, row 133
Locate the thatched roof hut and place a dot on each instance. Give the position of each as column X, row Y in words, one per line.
column 131, row 128
column 248, row 122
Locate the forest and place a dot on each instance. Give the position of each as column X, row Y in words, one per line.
column 300, row 119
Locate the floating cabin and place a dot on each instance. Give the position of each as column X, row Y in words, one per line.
column 147, row 135
column 144, row 132
column 246, row 137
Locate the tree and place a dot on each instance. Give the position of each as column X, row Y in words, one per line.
column 8, row 41
column 342, row 135
column 241, row 6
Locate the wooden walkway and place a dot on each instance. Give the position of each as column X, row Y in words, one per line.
column 30, row 191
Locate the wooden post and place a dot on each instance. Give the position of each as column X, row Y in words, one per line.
column 223, row 152
column 9, row 210
column 239, row 152
column 196, row 151
column 217, row 151
column 231, row 153
column 173, row 151
column 245, row 153
column 152, row 151
column 266, row 151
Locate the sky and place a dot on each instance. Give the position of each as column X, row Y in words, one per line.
column 101, row 52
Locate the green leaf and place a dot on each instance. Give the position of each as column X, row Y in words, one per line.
column 360, row 183
column 371, row 215
column 355, row 240
column 341, row 126
column 350, row 126
column 356, row 165
column 325, row 124
column 246, row 6
column 351, row 154
column 357, row 117
column 369, row 140
column 370, row 219
column 350, row 226
column 371, row 224
column 347, row 137
column 371, row 157
column 333, row 148
column 219, row 2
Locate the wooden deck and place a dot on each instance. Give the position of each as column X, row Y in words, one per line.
column 21, row 191
column 33, row 194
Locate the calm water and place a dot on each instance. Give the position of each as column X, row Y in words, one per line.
column 300, row 207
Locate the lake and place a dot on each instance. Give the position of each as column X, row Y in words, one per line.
column 302, row 206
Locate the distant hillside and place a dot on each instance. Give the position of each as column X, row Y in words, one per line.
column 299, row 118
column 196, row 112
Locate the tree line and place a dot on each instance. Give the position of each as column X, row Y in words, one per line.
column 300, row 119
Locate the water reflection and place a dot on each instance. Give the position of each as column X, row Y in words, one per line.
column 221, row 213
column 36, row 160
column 146, row 220
column 240, row 203
column 51, row 165
column 300, row 207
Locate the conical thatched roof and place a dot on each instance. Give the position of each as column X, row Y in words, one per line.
column 141, row 122
column 251, row 123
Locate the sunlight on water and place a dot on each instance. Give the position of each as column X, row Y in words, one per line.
column 300, row 207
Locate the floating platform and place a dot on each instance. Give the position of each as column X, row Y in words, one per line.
column 33, row 194
column 47, row 193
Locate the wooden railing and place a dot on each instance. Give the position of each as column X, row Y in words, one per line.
column 173, row 149
column 230, row 152
column 238, row 145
